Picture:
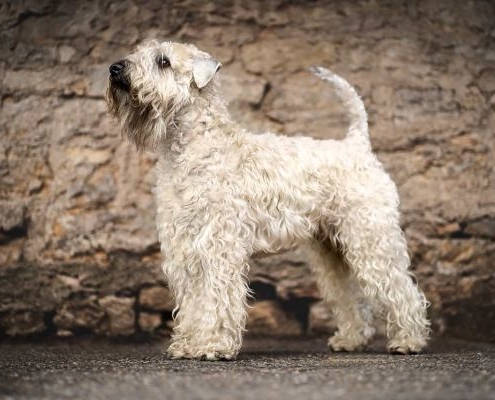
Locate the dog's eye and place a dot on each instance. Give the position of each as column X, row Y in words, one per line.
column 163, row 61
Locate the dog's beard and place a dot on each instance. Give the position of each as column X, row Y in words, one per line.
column 143, row 119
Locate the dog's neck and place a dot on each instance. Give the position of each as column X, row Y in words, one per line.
column 205, row 115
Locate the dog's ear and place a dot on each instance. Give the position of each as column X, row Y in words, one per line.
column 204, row 69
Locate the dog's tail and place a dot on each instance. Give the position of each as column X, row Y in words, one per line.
column 358, row 128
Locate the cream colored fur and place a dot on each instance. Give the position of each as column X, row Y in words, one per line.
column 223, row 194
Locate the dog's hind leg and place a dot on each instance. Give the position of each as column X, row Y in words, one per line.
column 343, row 295
column 376, row 252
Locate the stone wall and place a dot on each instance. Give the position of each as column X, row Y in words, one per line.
column 78, row 249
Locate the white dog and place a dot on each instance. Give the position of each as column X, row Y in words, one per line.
column 224, row 194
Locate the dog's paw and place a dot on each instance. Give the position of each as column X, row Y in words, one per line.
column 217, row 356
column 401, row 350
column 203, row 356
column 177, row 352
column 403, row 346
column 340, row 343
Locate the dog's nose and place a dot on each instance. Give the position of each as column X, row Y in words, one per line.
column 116, row 68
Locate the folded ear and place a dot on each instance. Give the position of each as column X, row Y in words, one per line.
column 204, row 69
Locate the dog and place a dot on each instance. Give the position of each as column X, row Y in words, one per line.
column 224, row 194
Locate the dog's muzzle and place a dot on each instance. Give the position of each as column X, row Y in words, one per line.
column 118, row 74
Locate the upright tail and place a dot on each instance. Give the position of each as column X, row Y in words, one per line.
column 358, row 128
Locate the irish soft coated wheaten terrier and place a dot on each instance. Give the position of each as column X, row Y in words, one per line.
column 223, row 194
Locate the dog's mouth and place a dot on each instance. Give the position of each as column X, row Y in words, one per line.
column 120, row 82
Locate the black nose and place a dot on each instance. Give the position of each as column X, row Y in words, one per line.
column 116, row 68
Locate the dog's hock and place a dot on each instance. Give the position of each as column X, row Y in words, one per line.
column 204, row 69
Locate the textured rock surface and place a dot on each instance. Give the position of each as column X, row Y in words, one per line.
column 156, row 298
column 76, row 211
column 149, row 322
column 267, row 317
column 119, row 315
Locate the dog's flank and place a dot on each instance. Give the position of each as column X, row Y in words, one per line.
column 224, row 194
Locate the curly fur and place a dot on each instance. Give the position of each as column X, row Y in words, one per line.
column 223, row 194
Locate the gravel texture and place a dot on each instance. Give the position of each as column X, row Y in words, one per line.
column 266, row 369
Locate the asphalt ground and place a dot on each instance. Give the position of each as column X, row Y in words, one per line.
column 267, row 368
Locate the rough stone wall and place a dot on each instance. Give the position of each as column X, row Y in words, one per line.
column 78, row 249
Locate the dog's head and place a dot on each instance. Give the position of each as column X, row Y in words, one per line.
column 151, row 86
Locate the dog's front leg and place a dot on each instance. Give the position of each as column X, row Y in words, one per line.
column 207, row 276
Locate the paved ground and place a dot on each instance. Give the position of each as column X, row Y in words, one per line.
column 267, row 369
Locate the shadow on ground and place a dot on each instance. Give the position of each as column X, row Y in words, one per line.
column 266, row 369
